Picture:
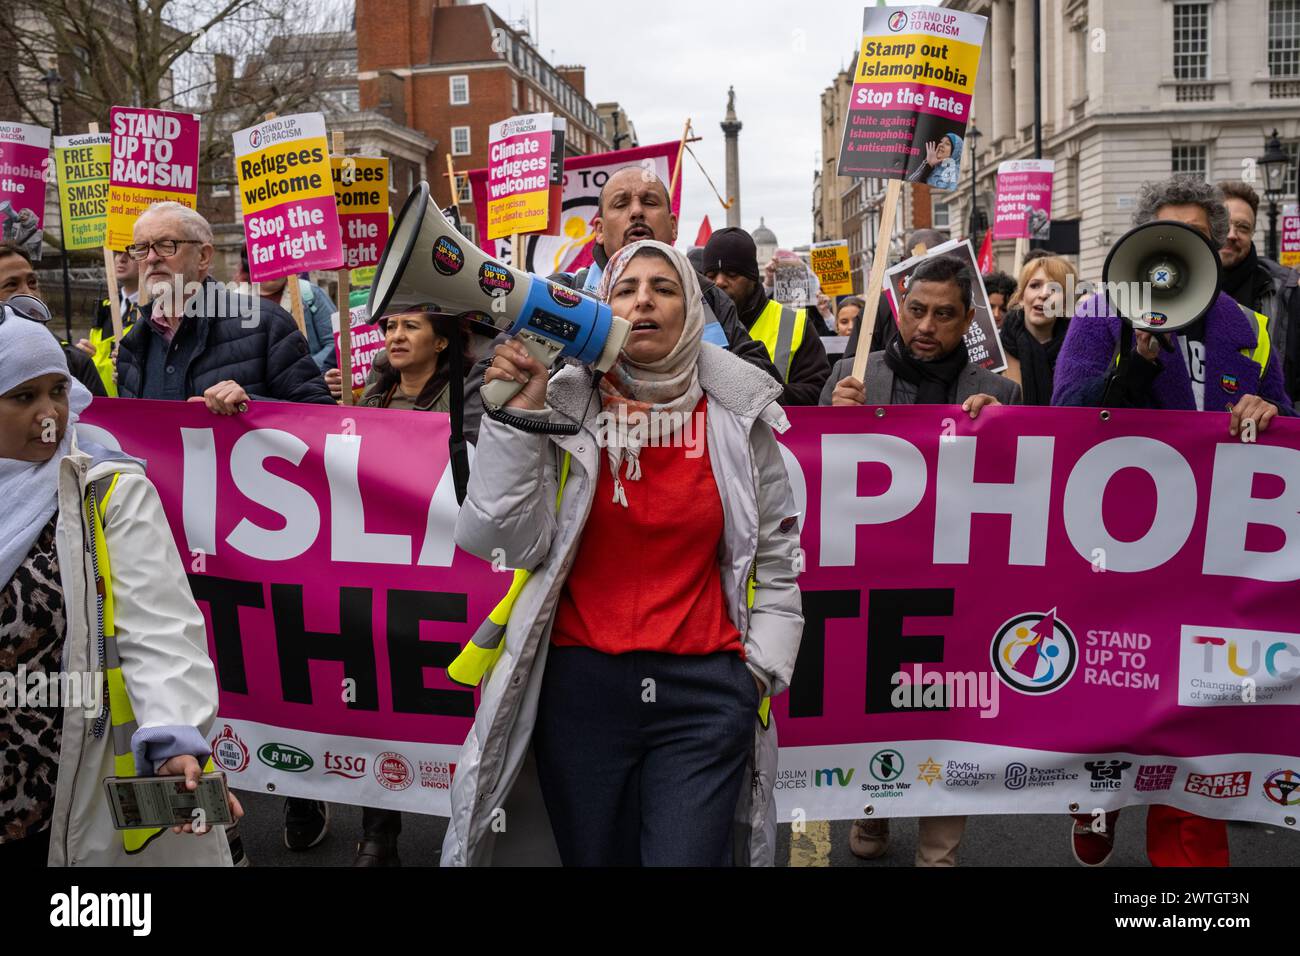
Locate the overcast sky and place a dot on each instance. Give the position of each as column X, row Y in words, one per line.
column 665, row 60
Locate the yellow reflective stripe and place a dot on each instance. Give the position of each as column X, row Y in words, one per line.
column 101, row 555
column 501, row 613
column 765, row 711
column 473, row 662
column 767, row 329
column 1262, row 344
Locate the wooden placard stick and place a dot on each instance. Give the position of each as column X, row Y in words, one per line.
column 677, row 169
column 454, row 186
column 110, row 272
column 878, row 263
column 345, row 313
column 1022, row 247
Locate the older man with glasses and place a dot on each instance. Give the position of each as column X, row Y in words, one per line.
column 203, row 340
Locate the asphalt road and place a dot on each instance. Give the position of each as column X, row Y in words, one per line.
column 1032, row 840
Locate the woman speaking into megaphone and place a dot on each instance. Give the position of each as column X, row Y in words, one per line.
column 662, row 610
column 1219, row 358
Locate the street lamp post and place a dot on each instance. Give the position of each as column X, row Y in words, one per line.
column 973, row 137
column 54, row 92
column 1273, row 163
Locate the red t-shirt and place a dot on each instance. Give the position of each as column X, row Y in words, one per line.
column 646, row 577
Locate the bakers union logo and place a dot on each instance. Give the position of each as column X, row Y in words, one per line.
column 285, row 757
column 230, row 753
column 393, row 771
column 898, row 22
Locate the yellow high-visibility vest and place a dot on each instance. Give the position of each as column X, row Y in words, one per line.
column 780, row 329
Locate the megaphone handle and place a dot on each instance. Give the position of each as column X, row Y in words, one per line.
column 496, row 393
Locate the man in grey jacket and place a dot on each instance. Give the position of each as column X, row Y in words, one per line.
column 926, row 363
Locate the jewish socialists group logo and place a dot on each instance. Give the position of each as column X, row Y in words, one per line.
column 1035, row 653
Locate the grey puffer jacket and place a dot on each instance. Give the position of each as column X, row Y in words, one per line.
column 496, row 809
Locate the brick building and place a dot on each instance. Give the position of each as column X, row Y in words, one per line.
column 450, row 70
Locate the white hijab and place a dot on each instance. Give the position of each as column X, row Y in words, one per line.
column 632, row 390
column 30, row 490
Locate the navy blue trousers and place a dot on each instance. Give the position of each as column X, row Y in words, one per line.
column 641, row 756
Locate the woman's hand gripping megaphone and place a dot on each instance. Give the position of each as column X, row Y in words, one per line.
column 512, row 362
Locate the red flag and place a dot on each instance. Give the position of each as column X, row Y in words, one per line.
column 985, row 260
column 706, row 230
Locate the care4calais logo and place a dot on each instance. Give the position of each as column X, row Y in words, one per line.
column 1035, row 653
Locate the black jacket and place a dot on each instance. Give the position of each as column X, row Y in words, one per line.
column 256, row 344
column 82, row 368
column 809, row 367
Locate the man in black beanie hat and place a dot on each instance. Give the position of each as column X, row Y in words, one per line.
column 731, row 261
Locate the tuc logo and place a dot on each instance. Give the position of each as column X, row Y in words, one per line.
column 1214, row 664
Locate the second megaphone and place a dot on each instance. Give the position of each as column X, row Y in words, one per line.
column 1170, row 262
column 428, row 263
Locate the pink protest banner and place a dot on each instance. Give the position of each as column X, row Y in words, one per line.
column 1094, row 642
column 1023, row 206
column 24, row 157
column 154, row 158
column 367, row 340
column 291, row 220
column 584, row 176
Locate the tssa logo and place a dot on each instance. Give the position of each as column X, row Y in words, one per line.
column 834, row 776
column 345, row 765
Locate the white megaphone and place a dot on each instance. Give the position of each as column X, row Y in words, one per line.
column 1176, row 263
column 428, row 263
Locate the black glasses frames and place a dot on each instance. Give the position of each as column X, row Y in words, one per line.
column 164, row 247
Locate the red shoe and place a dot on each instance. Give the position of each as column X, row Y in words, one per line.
column 1090, row 847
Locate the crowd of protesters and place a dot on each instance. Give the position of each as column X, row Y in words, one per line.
column 559, row 722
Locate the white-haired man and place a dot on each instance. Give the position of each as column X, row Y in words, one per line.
column 202, row 340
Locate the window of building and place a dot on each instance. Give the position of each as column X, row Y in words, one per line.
column 1284, row 38
column 467, row 230
column 514, row 94
column 1190, row 159
column 940, row 216
column 459, row 89
column 1191, row 41
column 463, row 194
column 1289, row 183
column 223, row 172
column 460, row 141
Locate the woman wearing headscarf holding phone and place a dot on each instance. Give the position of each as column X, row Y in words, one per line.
column 92, row 593
column 662, row 608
